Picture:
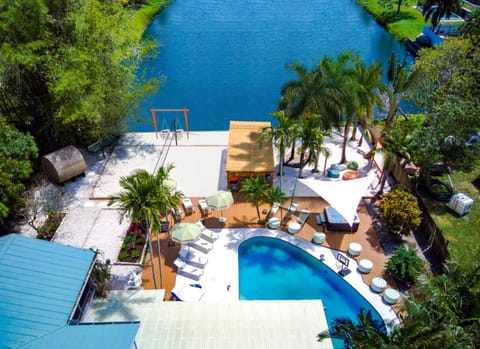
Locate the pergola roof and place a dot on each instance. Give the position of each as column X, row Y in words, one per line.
column 244, row 154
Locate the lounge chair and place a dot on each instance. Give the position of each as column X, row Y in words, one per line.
column 178, row 213
column 187, row 292
column 210, row 235
column 291, row 210
column 202, row 245
column 187, row 203
column 193, row 257
column 188, row 270
column 303, row 216
column 206, row 210
column 273, row 210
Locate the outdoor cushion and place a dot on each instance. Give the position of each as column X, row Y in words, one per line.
column 319, row 238
column 391, row 296
column 354, row 249
column 378, row 284
column 333, row 173
column 365, row 266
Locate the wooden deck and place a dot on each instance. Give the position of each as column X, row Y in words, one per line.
column 243, row 215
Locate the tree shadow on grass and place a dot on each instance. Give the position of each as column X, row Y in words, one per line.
column 393, row 17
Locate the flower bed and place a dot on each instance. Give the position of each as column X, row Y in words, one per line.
column 133, row 243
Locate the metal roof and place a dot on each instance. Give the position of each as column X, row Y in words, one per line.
column 89, row 336
column 40, row 283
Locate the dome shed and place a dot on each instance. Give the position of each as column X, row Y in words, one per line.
column 64, row 164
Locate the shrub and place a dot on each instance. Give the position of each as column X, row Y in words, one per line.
column 400, row 211
column 352, row 165
column 404, row 264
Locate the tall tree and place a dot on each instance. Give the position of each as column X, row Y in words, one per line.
column 17, row 152
column 281, row 136
column 312, row 139
column 435, row 10
column 257, row 191
column 140, row 201
column 400, row 79
column 361, row 87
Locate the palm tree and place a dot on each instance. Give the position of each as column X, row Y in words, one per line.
column 257, row 192
column 168, row 198
column 435, row 10
column 140, row 202
column 361, row 87
column 313, row 92
column 400, row 79
column 312, row 139
column 326, row 152
column 281, row 135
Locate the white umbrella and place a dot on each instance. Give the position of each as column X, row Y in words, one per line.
column 186, row 232
column 220, row 200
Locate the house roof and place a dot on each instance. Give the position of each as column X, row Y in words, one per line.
column 40, row 283
column 244, row 154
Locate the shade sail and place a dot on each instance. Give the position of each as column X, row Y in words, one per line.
column 344, row 196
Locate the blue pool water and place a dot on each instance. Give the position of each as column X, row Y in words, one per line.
column 225, row 59
column 272, row 269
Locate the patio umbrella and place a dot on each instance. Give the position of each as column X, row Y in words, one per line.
column 186, row 232
column 219, row 200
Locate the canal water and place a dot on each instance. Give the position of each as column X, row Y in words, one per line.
column 225, row 60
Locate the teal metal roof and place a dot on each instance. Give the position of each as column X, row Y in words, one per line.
column 40, row 282
column 89, row 336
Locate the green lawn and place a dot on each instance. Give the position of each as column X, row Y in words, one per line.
column 463, row 233
column 405, row 25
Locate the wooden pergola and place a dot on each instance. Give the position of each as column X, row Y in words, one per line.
column 245, row 157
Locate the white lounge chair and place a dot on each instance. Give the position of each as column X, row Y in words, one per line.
column 187, row 203
column 202, row 245
column 303, row 216
column 206, row 210
column 210, row 235
column 178, row 213
column 273, row 210
column 291, row 210
column 188, row 270
column 187, row 292
column 193, row 257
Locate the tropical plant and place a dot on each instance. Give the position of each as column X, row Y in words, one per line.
column 100, row 278
column 404, row 264
column 400, row 79
column 312, row 140
column 17, row 152
column 257, row 191
column 327, row 153
column 140, row 201
column 364, row 333
column 361, row 86
column 400, row 210
column 435, row 10
column 281, row 135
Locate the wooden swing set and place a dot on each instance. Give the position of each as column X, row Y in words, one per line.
column 185, row 117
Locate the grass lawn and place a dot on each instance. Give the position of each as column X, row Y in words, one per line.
column 463, row 233
column 405, row 25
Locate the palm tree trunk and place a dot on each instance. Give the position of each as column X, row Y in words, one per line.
column 292, row 154
column 150, row 249
column 258, row 212
column 159, row 250
column 302, row 155
column 344, row 143
column 354, row 132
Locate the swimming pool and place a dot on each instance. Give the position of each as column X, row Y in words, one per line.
column 272, row 269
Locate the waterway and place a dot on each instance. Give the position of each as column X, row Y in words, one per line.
column 225, row 60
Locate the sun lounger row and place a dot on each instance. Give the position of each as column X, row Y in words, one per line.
column 193, row 257
column 188, row 270
column 187, row 292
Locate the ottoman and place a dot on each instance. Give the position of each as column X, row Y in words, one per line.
column 391, row 296
column 378, row 284
column 365, row 266
column 354, row 249
column 319, row 238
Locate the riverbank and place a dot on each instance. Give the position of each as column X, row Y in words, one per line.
column 145, row 14
column 405, row 25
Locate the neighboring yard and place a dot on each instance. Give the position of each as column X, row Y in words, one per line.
column 463, row 233
column 405, row 25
